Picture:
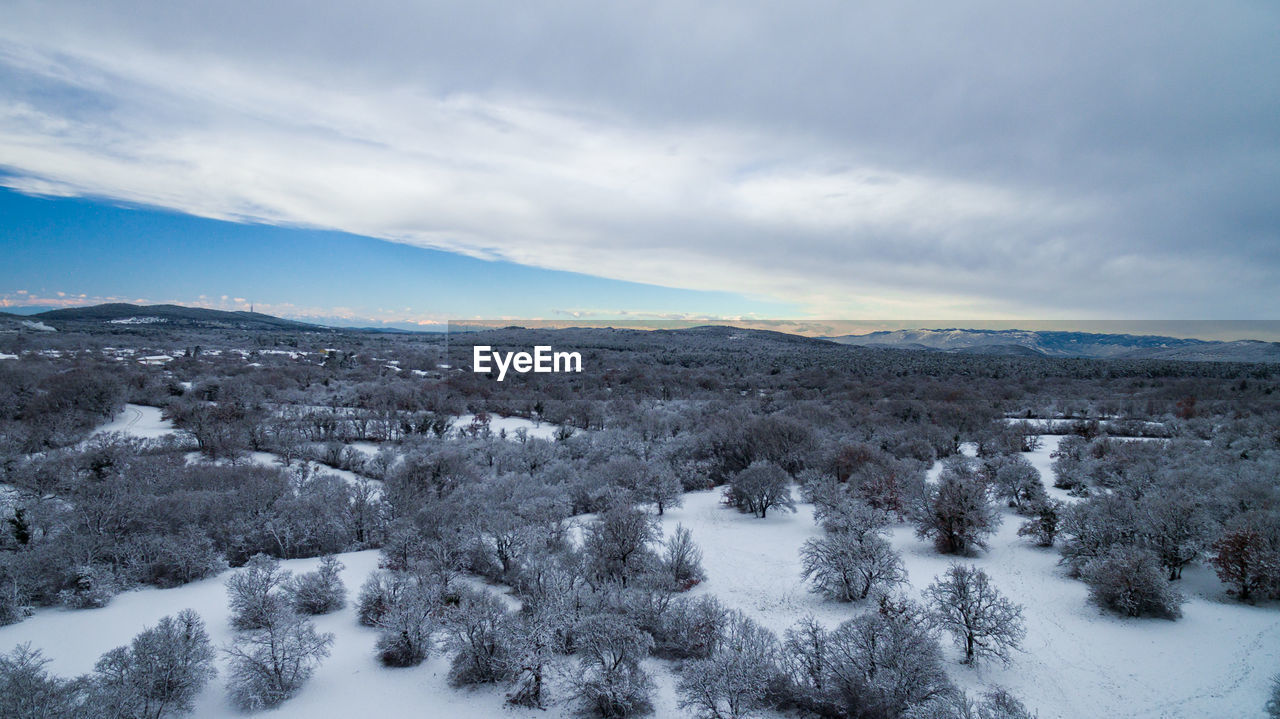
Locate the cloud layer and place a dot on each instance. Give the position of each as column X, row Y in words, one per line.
column 1000, row 160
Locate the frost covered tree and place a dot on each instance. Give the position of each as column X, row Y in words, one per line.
column 617, row 542
column 956, row 512
column 760, row 487
column 610, row 682
column 682, row 559
column 883, row 662
column 257, row 593
column 319, row 592
column 270, row 665
column 735, row 680
column 981, row 619
column 1044, row 522
column 29, row 691
column 407, row 622
column 1176, row 526
column 1129, row 580
column 479, row 634
column 846, row 569
column 158, row 675
column 1246, row 562
column 1017, row 482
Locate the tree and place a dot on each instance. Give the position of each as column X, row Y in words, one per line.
column 1175, row 525
column 845, row 569
column 1018, row 482
column 28, row 691
column 257, row 593
column 682, row 559
column 883, row 662
column 1128, row 580
column 618, row 542
column 759, row 487
column 1246, row 561
column 982, row 620
column 321, row 591
column 610, row 682
column 734, row 681
column 1273, row 704
column 480, row 637
column 407, row 624
column 955, row 512
column 159, row 675
column 270, row 665
column 1043, row 525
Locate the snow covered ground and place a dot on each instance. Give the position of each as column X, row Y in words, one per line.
column 1216, row 661
column 497, row 425
column 138, row 420
column 1078, row 662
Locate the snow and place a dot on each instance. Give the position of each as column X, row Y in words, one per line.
column 136, row 320
column 4, row 356
column 350, row 683
column 37, row 325
column 1078, row 662
column 138, row 420
column 541, row 430
column 1216, row 660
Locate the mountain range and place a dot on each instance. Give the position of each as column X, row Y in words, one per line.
column 1031, row 343
column 1024, row 343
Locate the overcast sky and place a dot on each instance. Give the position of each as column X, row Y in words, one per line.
column 890, row 160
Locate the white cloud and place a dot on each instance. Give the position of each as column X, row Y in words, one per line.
column 236, row 128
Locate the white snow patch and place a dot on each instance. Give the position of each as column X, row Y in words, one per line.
column 137, row 420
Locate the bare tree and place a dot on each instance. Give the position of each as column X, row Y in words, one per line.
column 982, row 620
column 270, row 665
column 846, row 569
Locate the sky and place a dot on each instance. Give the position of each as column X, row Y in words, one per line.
column 411, row 161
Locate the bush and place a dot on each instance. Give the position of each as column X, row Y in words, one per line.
column 478, row 633
column 955, row 512
column 407, row 625
column 682, row 560
column 270, row 665
column 735, row 680
column 1043, row 525
column 91, row 587
column 690, row 628
column 378, row 594
column 27, row 691
column 159, row 674
column 760, row 487
column 845, row 569
column 1273, row 704
column 257, row 593
column 321, row 591
column 1130, row 581
column 610, row 682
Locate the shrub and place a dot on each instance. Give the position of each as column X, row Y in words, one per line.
column 610, row 682
column 734, row 681
column 91, row 587
column 981, row 619
column 159, row 674
column 1130, row 581
column 270, row 665
column 257, row 593
column 27, row 691
column 321, row 591
column 846, row 569
column 682, row 560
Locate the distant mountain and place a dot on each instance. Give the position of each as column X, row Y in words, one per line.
column 127, row 315
column 1068, row 344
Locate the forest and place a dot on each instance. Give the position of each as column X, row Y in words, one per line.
column 523, row 531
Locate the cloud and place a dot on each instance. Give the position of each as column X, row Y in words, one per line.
column 988, row 161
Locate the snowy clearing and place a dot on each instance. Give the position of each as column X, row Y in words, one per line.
column 137, row 420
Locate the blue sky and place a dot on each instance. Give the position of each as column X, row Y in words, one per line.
column 818, row 158
column 57, row 249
